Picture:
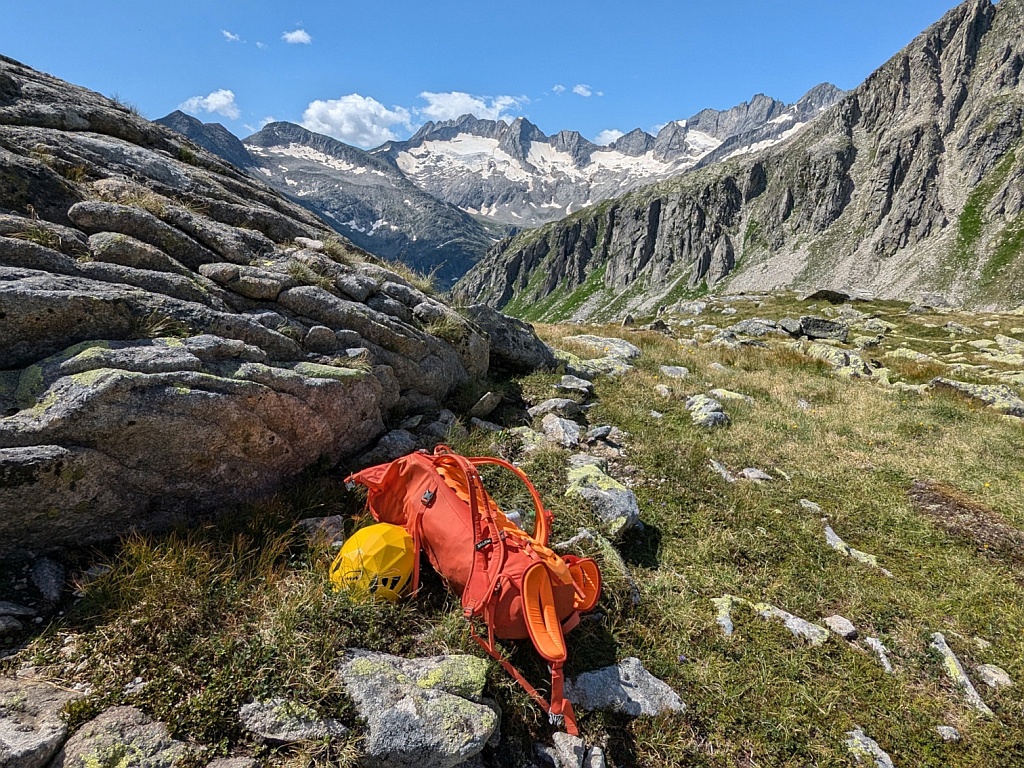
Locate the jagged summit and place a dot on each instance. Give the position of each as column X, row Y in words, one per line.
column 635, row 143
column 513, row 173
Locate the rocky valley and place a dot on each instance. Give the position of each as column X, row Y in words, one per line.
column 807, row 508
column 911, row 182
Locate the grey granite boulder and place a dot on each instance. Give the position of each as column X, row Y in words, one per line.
column 514, row 345
column 127, row 251
column 819, row 328
column 866, row 750
column 31, row 726
column 614, row 506
column 606, row 346
column 122, row 736
column 560, row 406
column 706, row 411
column 993, row 676
column 96, row 216
column 571, row 383
column 421, row 713
column 561, row 431
column 257, row 425
column 674, row 371
column 114, row 416
column 281, row 721
column 626, row 687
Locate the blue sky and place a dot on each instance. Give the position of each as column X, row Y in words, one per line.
column 366, row 74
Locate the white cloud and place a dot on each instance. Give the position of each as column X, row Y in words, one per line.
column 558, row 88
column 263, row 122
column 356, row 119
column 297, row 37
column 260, row 44
column 448, row 106
column 607, row 136
column 221, row 101
column 231, row 37
column 582, row 90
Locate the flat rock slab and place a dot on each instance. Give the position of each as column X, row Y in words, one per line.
column 996, row 396
column 728, row 396
column 755, row 475
column 31, row 728
column 13, row 609
column 674, row 371
column 626, row 687
column 575, row 384
column 830, row 295
column 614, row 505
column 421, row 713
column 281, row 721
column 951, row 664
column 485, row 405
column 611, row 347
column 122, row 736
column 755, row 326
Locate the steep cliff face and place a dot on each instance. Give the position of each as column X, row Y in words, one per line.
column 175, row 336
column 913, row 181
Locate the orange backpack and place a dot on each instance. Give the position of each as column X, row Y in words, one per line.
column 511, row 579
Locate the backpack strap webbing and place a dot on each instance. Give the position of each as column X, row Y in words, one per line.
column 559, row 708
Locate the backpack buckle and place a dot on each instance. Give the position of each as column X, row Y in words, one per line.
column 428, row 498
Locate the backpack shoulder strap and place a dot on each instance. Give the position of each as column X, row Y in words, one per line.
column 489, row 551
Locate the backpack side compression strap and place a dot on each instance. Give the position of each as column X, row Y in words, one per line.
column 560, row 707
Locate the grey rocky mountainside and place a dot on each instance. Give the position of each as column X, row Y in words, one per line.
column 514, row 174
column 175, row 335
column 913, row 181
column 363, row 198
column 213, row 137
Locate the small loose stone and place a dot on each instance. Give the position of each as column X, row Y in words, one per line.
column 993, row 676
column 842, row 626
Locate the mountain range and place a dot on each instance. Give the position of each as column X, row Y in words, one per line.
column 914, row 181
column 439, row 200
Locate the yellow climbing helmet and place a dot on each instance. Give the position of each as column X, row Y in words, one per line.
column 377, row 560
